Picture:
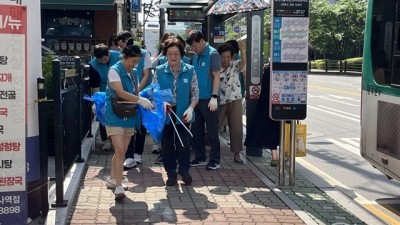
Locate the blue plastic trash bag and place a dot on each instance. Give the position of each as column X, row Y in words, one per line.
column 99, row 99
column 154, row 119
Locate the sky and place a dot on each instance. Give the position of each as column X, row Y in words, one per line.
column 150, row 19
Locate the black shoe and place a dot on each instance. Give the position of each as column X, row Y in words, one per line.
column 171, row 182
column 213, row 165
column 186, row 178
column 159, row 159
column 197, row 162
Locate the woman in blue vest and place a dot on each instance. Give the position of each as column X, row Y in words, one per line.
column 122, row 85
column 163, row 59
column 99, row 66
column 182, row 80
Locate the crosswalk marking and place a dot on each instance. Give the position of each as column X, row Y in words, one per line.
column 350, row 144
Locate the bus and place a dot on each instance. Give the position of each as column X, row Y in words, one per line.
column 380, row 98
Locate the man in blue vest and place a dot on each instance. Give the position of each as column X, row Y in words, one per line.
column 142, row 78
column 207, row 64
column 99, row 66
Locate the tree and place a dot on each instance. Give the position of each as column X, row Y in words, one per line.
column 335, row 29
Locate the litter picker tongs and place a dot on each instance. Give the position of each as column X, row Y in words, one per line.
column 173, row 124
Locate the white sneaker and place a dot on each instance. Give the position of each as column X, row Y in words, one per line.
column 138, row 158
column 119, row 193
column 110, row 183
column 156, row 149
column 130, row 163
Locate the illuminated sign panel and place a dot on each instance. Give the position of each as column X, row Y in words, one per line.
column 180, row 15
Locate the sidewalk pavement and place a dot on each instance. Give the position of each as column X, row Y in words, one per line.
column 234, row 194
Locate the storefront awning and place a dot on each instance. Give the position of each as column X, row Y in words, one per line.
column 237, row 6
column 78, row 4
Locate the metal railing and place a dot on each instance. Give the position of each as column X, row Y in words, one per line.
column 71, row 120
column 338, row 66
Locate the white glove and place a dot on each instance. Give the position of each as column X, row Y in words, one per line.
column 188, row 115
column 213, row 104
column 145, row 103
column 94, row 108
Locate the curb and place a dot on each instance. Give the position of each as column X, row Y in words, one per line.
column 72, row 182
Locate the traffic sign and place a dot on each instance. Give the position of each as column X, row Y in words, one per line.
column 236, row 29
column 135, row 7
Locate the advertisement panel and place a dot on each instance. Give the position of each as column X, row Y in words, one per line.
column 13, row 71
column 289, row 51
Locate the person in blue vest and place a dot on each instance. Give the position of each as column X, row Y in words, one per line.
column 99, row 66
column 122, row 39
column 207, row 64
column 143, row 77
column 120, row 130
column 161, row 59
column 182, row 80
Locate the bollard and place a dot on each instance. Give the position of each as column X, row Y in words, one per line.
column 340, row 66
column 345, row 66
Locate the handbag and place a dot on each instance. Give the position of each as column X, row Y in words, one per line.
column 123, row 108
column 300, row 140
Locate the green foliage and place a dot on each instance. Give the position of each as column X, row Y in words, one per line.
column 47, row 74
column 354, row 60
column 354, row 63
column 319, row 64
column 47, row 70
column 335, row 29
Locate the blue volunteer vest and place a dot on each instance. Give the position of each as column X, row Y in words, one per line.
column 103, row 69
column 201, row 65
column 113, row 120
column 166, row 80
column 140, row 67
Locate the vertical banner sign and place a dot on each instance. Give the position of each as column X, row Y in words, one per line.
column 288, row 96
column 13, row 30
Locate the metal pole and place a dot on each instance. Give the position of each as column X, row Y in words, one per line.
column 282, row 155
column 44, row 181
column 162, row 22
column 292, row 153
column 79, row 83
column 58, row 135
column 144, row 22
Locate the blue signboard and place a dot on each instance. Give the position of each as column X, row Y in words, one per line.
column 135, row 7
column 13, row 209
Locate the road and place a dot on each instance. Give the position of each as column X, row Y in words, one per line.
column 333, row 121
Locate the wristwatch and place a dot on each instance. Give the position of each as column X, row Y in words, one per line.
column 214, row 96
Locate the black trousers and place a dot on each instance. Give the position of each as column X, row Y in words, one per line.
column 205, row 118
column 136, row 145
column 103, row 133
column 173, row 152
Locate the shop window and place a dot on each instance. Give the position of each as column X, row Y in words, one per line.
column 68, row 23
